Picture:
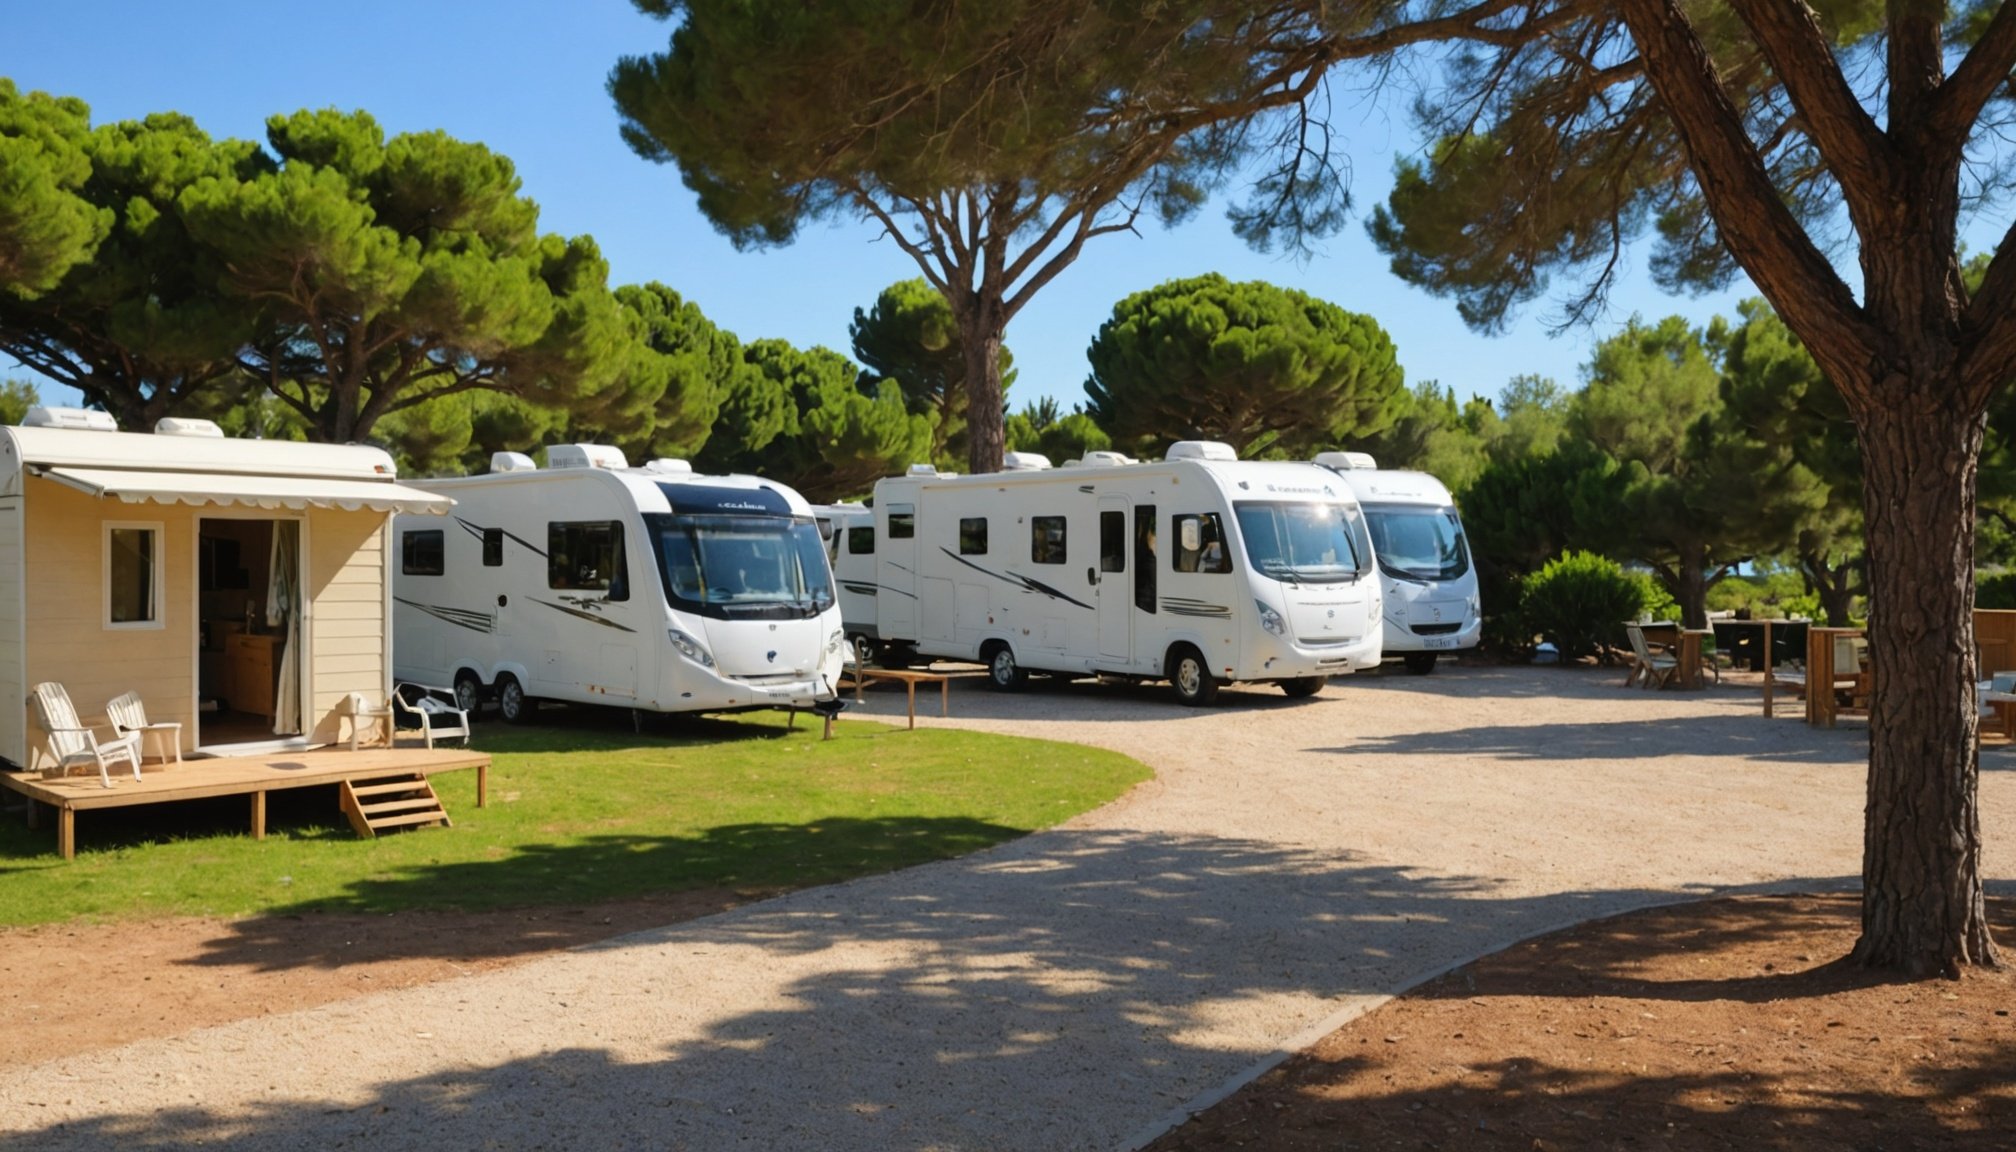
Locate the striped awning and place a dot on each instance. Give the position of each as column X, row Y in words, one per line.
column 270, row 492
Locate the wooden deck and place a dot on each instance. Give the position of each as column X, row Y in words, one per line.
column 250, row 776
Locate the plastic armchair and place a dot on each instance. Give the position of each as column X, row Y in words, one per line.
column 129, row 715
column 439, row 716
column 72, row 742
column 366, row 716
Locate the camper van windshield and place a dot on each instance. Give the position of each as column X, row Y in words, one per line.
column 1302, row 542
column 742, row 566
column 1418, row 543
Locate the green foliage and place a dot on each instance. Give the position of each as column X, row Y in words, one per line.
column 1995, row 590
column 1432, row 433
column 1771, row 590
column 911, row 338
column 389, row 272
column 595, row 814
column 1580, row 601
column 16, row 398
column 682, row 370
column 1653, row 599
column 46, row 226
column 798, row 418
column 1252, row 364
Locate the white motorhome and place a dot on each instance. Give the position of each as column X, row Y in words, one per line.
column 590, row 581
column 1431, row 586
column 850, row 546
column 1200, row 569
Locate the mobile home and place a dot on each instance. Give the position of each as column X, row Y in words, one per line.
column 594, row 582
column 239, row 586
column 850, row 546
column 1200, row 569
column 1432, row 604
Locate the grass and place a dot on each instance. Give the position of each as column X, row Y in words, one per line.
column 580, row 811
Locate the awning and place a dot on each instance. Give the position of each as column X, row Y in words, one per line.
column 273, row 492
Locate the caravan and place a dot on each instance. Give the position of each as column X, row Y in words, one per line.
column 590, row 581
column 1431, row 587
column 1200, row 569
column 850, row 546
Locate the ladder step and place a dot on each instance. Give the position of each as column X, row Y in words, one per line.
column 405, row 800
column 435, row 817
column 392, row 786
column 372, row 811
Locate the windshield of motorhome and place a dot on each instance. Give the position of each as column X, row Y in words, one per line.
column 1419, row 543
column 737, row 565
column 1308, row 543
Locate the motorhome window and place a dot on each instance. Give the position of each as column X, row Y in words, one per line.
column 587, row 556
column 902, row 521
column 1046, row 540
column 133, row 575
column 1303, row 542
column 1208, row 534
column 1419, row 543
column 973, row 536
column 1112, row 541
column 1144, row 557
column 423, row 553
column 742, row 567
column 493, row 547
column 861, row 541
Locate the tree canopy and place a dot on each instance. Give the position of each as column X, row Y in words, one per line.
column 46, row 225
column 910, row 337
column 1256, row 365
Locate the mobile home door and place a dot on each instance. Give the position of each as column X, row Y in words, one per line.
column 1116, row 591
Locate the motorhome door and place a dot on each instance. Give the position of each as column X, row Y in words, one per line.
column 1116, row 591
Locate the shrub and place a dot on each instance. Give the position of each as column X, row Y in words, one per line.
column 1653, row 599
column 1995, row 591
column 1580, row 601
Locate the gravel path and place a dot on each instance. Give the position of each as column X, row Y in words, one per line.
column 1292, row 863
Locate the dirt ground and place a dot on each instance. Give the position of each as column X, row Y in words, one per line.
column 1726, row 1024
column 135, row 980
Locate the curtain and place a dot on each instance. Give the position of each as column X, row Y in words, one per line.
column 283, row 612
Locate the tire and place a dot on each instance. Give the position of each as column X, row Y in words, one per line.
column 1419, row 663
column 1002, row 670
column 1191, row 677
column 468, row 692
column 1303, row 686
column 512, row 702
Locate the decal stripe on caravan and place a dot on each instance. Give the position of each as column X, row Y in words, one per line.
column 1019, row 580
column 1183, row 606
column 461, row 617
column 583, row 615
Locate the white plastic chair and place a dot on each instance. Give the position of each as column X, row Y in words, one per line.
column 440, row 717
column 128, row 715
column 72, row 743
column 366, row 716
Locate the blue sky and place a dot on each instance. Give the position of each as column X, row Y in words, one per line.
column 526, row 78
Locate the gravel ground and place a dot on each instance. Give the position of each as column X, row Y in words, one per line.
column 1293, row 863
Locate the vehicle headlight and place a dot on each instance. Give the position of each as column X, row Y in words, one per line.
column 834, row 641
column 1270, row 619
column 689, row 647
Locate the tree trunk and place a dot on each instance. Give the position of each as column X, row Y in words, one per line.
column 1922, row 910
column 1691, row 591
column 1834, row 585
column 986, row 433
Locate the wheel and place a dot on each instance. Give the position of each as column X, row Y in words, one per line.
column 512, row 703
column 1191, row 677
column 1419, row 663
column 865, row 650
column 468, row 691
column 1302, row 686
column 1002, row 670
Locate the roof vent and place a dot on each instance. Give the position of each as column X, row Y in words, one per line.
column 512, row 462
column 187, row 426
column 586, row 456
column 1348, row 461
column 82, row 419
column 667, row 465
column 1103, row 459
column 1200, row 450
column 1024, row 462
column 922, row 470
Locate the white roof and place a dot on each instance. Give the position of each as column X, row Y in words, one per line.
column 139, row 468
column 295, row 492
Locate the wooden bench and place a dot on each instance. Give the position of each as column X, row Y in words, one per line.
column 909, row 678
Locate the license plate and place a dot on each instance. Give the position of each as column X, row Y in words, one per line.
column 1439, row 642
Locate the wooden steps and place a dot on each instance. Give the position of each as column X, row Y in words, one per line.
column 394, row 800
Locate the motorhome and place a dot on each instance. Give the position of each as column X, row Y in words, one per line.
column 1431, row 598
column 1200, row 569
column 589, row 581
column 238, row 587
column 850, row 546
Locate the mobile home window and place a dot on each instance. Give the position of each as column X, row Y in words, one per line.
column 1144, row 557
column 133, row 575
column 1208, row 534
column 587, row 556
column 1046, row 540
column 1112, row 541
column 861, row 541
column 493, row 547
column 973, row 536
column 902, row 521
column 423, row 553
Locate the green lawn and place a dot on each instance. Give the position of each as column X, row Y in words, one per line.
column 580, row 811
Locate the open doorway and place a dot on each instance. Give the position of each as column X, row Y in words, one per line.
column 249, row 660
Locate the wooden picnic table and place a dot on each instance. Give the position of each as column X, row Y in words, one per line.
column 909, row 678
column 1822, row 675
column 1770, row 676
